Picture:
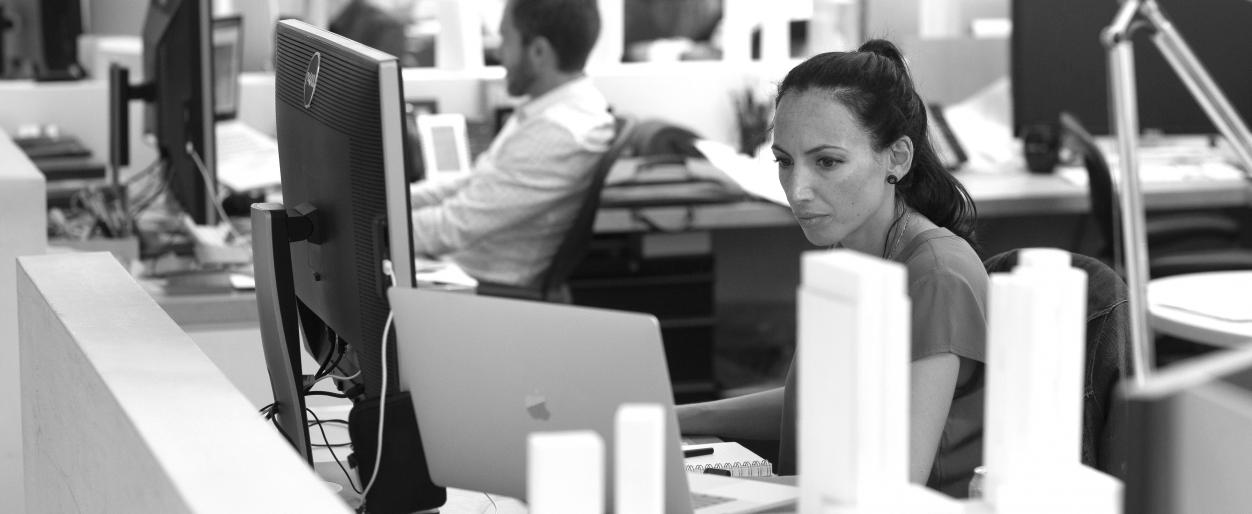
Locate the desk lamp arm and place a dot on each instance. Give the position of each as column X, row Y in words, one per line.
column 1117, row 40
column 1125, row 123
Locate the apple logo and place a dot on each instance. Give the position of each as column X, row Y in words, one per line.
column 537, row 406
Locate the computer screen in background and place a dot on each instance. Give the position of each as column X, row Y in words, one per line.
column 445, row 145
column 227, row 38
column 1191, row 443
column 177, row 57
column 1059, row 63
column 340, row 121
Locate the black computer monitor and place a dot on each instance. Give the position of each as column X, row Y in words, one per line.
column 1059, row 63
column 320, row 257
column 60, row 24
column 178, row 64
column 1189, row 436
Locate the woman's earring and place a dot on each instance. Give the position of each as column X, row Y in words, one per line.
column 891, row 179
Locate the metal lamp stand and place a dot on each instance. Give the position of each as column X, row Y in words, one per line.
column 1133, row 15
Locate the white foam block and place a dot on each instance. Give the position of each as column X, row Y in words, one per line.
column 639, row 457
column 565, row 472
column 912, row 498
column 853, row 358
column 1036, row 347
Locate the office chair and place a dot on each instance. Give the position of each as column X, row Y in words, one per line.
column 1107, row 360
column 1172, row 240
column 551, row 285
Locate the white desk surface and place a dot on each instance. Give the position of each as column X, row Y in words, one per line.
column 1210, row 308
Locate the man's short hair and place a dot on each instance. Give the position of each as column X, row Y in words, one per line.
column 571, row 26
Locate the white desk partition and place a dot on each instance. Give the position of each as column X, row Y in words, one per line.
column 1035, row 348
column 122, row 412
column 853, row 358
column 23, row 231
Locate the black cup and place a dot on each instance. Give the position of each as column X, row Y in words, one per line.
column 1040, row 144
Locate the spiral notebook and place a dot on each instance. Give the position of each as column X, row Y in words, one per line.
column 730, row 456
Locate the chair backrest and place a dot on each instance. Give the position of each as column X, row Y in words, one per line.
column 1107, row 360
column 1099, row 183
column 574, row 245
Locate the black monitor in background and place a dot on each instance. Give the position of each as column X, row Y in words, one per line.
column 178, row 95
column 1059, row 63
column 319, row 259
column 177, row 61
column 227, row 37
column 60, row 24
column 1190, row 448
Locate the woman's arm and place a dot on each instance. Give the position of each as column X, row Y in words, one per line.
column 932, row 384
column 751, row 416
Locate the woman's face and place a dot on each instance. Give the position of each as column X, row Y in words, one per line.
column 834, row 180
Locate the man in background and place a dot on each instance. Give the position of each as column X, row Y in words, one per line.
column 503, row 221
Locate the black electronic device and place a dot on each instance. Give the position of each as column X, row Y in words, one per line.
column 1041, row 145
column 178, row 91
column 1058, row 63
column 60, row 24
column 319, row 261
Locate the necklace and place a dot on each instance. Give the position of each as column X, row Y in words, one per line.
column 888, row 252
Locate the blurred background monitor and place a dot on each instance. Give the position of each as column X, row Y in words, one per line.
column 178, row 64
column 1190, row 449
column 39, row 39
column 1058, row 63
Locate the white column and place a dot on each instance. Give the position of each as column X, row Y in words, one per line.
column 1035, row 365
column 738, row 19
column 854, row 357
column 565, row 472
column 775, row 34
column 834, row 27
column 459, row 45
column 639, row 459
column 612, row 41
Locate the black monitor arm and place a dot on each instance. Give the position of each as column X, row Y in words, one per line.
column 273, row 231
column 121, row 92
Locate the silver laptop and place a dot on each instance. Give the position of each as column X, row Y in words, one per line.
column 485, row 372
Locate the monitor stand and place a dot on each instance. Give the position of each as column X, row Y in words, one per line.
column 404, row 483
column 273, row 231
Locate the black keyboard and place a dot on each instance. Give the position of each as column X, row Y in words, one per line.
column 42, row 147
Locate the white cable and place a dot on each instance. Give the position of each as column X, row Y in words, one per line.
column 382, row 395
column 208, row 184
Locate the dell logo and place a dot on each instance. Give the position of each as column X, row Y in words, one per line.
column 310, row 78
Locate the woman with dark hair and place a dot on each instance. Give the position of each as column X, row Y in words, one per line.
column 860, row 173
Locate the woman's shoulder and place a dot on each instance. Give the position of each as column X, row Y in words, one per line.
column 938, row 251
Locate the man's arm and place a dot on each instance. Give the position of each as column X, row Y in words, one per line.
column 532, row 171
column 433, row 191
